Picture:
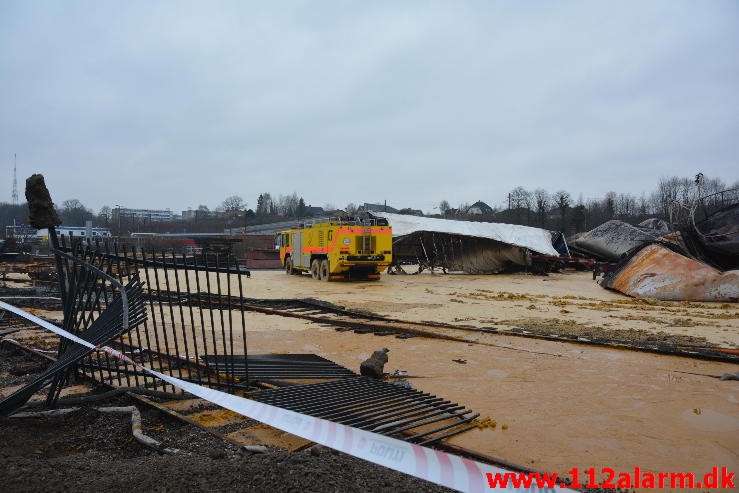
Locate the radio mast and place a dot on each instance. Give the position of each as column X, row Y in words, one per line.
column 15, row 182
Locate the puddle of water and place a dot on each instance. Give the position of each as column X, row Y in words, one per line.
column 709, row 420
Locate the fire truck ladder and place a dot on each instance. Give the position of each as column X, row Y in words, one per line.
column 366, row 239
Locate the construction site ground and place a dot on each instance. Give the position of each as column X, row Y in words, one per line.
column 88, row 451
column 564, row 405
column 556, row 405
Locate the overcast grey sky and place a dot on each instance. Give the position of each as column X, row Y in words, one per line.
column 175, row 104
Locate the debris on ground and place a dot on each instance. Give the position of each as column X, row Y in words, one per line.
column 658, row 271
column 612, row 239
column 87, row 450
column 374, row 366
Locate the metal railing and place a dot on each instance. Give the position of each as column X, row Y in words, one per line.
column 177, row 336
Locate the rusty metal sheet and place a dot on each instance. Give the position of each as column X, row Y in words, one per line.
column 658, row 272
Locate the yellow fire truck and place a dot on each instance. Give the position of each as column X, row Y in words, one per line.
column 338, row 249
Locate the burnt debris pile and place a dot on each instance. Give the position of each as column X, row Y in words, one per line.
column 695, row 260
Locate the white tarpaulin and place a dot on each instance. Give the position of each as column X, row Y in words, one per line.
column 535, row 239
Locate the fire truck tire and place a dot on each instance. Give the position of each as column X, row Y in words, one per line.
column 325, row 270
column 289, row 266
column 315, row 269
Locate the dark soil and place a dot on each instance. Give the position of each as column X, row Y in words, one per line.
column 91, row 451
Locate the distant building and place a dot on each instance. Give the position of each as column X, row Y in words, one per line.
column 198, row 214
column 151, row 215
column 367, row 207
column 314, row 211
column 411, row 212
column 77, row 231
column 20, row 231
column 479, row 208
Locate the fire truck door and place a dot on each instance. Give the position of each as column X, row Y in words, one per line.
column 298, row 250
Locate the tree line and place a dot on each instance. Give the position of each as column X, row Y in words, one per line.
column 538, row 207
column 233, row 212
column 558, row 210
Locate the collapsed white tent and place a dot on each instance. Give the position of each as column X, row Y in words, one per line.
column 479, row 248
column 535, row 239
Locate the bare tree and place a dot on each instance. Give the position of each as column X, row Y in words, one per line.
column 541, row 201
column 579, row 215
column 562, row 200
column 287, row 205
column 234, row 203
column 609, row 205
column 264, row 204
column 444, row 207
column 105, row 212
column 104, row 215
column 625, row 205
column 519, row 200
column 643, row 206
column 710, row 187
column 74, row 213
column 669, row 191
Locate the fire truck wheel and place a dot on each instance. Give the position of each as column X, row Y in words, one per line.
column 325, row 271
column 289, row 265
column 315, row 268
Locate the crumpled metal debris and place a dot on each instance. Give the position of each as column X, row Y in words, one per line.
column 718, row 237
column 660, row 272
column 612, row 239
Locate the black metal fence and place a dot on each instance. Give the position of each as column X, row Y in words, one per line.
column 185, row 316
column 369, row 404
column 177, row 335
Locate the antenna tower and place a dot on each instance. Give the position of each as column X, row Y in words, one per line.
column 15, row 182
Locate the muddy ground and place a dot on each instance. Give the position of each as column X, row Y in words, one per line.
column 92, row 451
column 563, row 405
column 561, row 303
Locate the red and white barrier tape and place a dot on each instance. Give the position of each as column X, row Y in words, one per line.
column 432, row 465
